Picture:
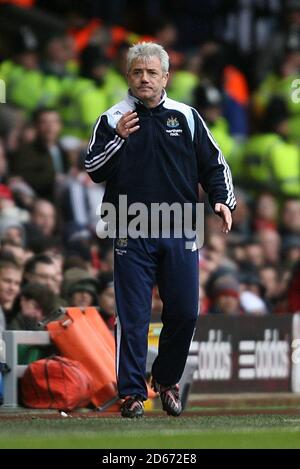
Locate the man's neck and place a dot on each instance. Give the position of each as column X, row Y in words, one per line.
column 151, row 104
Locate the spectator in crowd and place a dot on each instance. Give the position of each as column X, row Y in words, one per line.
column 225, row 296
column 12, row 230
column 271, row 161
column 290, row 217
column 166, row 33
column 35, row 303
column 254, row 254
column 80, row 198
column 280, row 83
column 41, row 161
column 270, row 242
column 84, row 97
column 252, row 294
column 42, row 224
column 115, row 84
column 22, row 75
column 237, row 252
column 218, row 69
column 43, row 216
column 209, row 102
column 290, row 250
column 10, row 282
column 16, row 248
column 41, row 269
column 184, row 80
column 241, row 216
column 56, row 57
column 216, row 249
column 81, row 249
column 281, row 39
column 23, row 194
column 266, row 212
column 270, row 280
column 80, row 288
column 54, row 251
column 209, row 264
column 74, row 261
column 250, row 281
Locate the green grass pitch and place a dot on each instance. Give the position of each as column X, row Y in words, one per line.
column 195, row 431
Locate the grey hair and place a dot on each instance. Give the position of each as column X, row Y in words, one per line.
column 145, row 50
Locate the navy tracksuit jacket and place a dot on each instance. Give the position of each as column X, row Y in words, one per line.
column 162, row 162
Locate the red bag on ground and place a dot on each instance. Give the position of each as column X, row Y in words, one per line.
column 56, row 383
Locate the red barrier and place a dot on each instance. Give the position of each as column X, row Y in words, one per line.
column 77, row 337
column 84, row 336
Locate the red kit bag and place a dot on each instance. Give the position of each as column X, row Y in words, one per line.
column 56, row 383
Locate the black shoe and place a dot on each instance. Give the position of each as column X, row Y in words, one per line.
column 169, row 396
column 132, row 407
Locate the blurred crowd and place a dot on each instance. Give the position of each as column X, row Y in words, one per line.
column 236, row 62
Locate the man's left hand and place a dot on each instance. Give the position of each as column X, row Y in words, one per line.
column 225, row 214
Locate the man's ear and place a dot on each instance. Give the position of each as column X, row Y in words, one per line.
column 166, row 77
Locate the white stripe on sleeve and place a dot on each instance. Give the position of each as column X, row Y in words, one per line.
column 108, row 156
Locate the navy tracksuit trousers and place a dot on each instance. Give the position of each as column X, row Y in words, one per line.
column 138, row 265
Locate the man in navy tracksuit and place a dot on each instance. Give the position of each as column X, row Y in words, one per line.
column 153, row 150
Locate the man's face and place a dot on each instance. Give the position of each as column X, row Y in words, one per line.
column 57, row 260
column 146, row 80
column 291, row 215
column 269, row 279
column 255, row 254
column 45, row 274
column 228, row 305
column 14, row 234
column 10, row 281
column 44, row 217
column 82, row 299
column 31, row 309
column 49, row 126
column 18, row 252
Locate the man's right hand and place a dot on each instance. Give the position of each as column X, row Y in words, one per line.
column 127, row 124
